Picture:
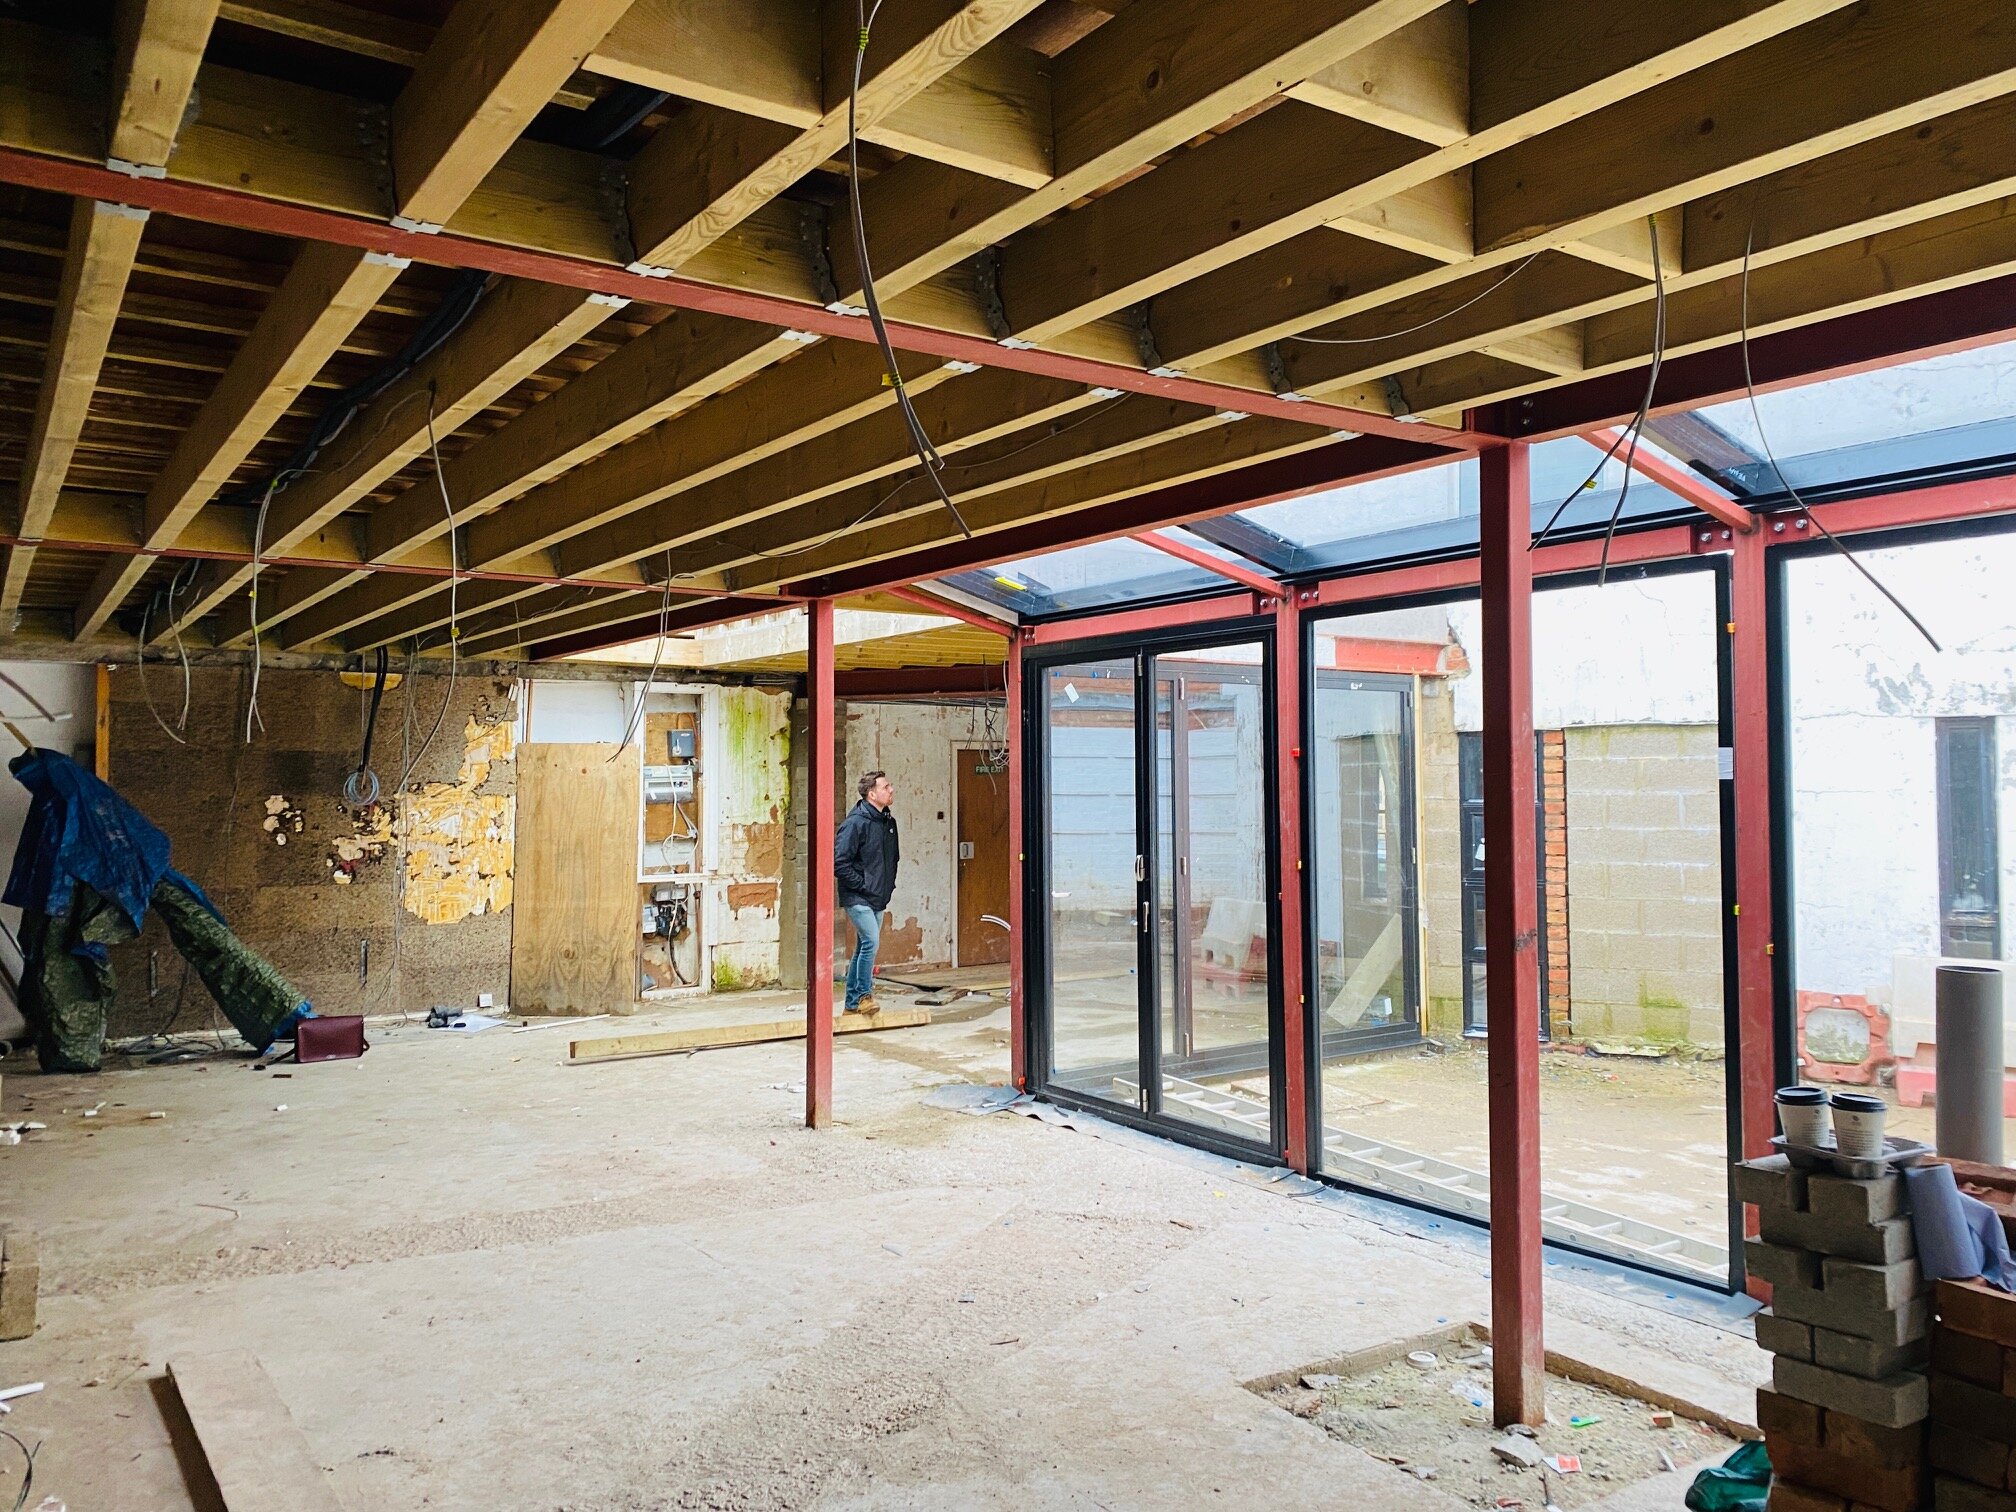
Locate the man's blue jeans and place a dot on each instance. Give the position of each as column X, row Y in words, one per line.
column 867, row 924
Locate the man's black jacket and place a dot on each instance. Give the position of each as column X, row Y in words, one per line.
column 864, row 856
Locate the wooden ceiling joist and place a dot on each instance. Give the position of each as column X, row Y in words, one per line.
column 1318, row 213
column 158, row 45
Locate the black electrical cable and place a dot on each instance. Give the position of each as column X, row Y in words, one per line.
column 443, row 321
column 1764, row 440
column 618, row 113
column 360, row 789
column 28, row 1474
column 1644, row 407
column 927, row 454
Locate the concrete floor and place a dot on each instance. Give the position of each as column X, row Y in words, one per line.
column 482, row 1278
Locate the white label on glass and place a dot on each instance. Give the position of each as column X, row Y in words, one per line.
column 1071, row 692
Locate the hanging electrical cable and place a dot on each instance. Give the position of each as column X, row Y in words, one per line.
column 1644, row 409
column 252, row 715
column 360, row 788
column 920, row 441
column 1764, row 441
column 1644, row 405
column 454, row 579
column 1424, row 325
column 657, row 661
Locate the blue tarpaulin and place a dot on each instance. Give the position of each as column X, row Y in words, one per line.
column 80, row 830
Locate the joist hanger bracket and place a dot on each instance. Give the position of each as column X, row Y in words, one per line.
column 986, row 266
column 136, row 170
column 417, row 227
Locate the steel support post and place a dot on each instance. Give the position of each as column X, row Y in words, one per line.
column 1018, row 750
column 1511, row 937
column 1288, row 819
column 820, row 820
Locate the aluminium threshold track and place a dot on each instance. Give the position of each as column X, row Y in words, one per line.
column 1408, row 1173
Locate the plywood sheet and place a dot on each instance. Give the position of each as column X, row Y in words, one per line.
column 575, row 934
column 256, row 1453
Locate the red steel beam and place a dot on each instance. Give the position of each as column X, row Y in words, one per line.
column 1967, row 500
column 1018, row 1001
column 251, row 212
column 897, row 683
column 690, row 617
column 1511, row 939
column 938, row 605
column 1710, row 501
column 1288, row 477
column 1290, row 878
column 1183, row 551
column 1136, row 621
column 819, row 773
column 1756, row 993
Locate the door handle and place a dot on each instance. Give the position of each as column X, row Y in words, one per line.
column 1144, row 916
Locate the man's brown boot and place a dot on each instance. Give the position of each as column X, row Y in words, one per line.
column 868, row 1005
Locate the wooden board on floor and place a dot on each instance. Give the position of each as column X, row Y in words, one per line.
column 574, row 931
column 719, row 1036
column 255, row 1450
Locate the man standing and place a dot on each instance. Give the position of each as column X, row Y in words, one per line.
column 864, row 861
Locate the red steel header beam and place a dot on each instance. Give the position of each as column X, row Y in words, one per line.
column 252, row 212
column 1710, row 501
column 1259, row 582
column 936, row 605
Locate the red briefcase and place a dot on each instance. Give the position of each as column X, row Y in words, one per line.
column 327, row 1039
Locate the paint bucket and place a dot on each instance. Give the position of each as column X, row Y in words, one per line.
column 1858, row 1124
column 1802, row 1114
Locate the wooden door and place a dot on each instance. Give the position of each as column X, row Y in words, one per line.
column 981, row 850
column 575, row 932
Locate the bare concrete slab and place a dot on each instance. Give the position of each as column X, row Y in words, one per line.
column 479, row 1277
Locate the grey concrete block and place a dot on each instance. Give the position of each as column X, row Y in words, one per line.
column 1866, row 1357
column 1780, row 1264
column 1855, row 1284
column 1894, row 1326
column 1771, row 1183
column 1782, row 1336
column 1895, row 1402
column 1863, row 1202
column 1882, row 1243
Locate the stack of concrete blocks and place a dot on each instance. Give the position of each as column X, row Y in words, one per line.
column 1973, row 1439
column 1850, row 1325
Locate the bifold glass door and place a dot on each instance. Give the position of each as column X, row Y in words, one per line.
column 1158, row 969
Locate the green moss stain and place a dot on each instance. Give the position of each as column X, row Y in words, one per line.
column 756, row 750
column 727, row 978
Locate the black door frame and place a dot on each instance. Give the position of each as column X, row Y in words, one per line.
column 1142, row 649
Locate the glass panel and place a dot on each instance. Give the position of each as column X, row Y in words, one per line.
column 1434, row 509
column 1928, row 418
column 1086, row 577
column 1634, row 1095
column 1628, row 831
column 1903, row 796
column 1095, row 1044
column 1401, row 1092
column 1213, row 967
column 1360, row 763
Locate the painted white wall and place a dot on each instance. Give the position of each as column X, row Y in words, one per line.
column 1635, row 651
column 1866, row 691
column 563, row 713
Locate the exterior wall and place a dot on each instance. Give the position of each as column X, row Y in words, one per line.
column 423, row 880
column 1644, row 883
column 1558, row 987
column 750, row 776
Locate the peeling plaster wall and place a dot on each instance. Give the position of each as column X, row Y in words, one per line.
column 749, row 773
column 914, row 744
column 320, row 884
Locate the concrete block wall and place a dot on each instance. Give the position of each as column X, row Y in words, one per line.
column 1850, row 1329
column 1643, row 840
column 1441, row 874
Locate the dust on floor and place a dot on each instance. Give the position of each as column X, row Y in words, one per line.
column 1432, row 1420
column 481, row 1277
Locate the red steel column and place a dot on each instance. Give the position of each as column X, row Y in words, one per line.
column 1288, row 811
column 1018, row 1018
column 1511, row 934
column 1755, row 987
column 819, row 857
